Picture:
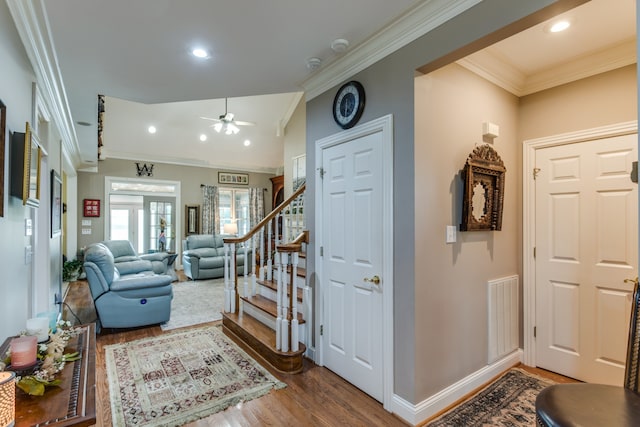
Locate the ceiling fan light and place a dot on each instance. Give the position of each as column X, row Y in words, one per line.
column 218, row 127
column 231, row 129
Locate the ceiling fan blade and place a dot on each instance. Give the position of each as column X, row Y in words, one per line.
column 209, row 118
column 241, row 123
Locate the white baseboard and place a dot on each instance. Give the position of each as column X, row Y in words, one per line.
column 418, row 413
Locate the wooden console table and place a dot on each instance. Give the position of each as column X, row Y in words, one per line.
column 74, row 402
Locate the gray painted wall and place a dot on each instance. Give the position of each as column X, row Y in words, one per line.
column 16, row 285
column 389, row 86
column 91, row 186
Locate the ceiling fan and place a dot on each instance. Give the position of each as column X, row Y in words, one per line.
column 226, row 123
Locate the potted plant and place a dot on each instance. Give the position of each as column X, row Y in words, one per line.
column 71, row 270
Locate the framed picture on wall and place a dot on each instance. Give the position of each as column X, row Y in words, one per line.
column 56, row 204
column 192, row 223
column 91, row 207
column 233, row 178
column 299, row 173
column 3, row 120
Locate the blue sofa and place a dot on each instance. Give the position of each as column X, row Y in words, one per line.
column 126, row 294
column 203, row 257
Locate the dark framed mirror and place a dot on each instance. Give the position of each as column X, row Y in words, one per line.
column 483, row 177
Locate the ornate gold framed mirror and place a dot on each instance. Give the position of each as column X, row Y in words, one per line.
column 483, row 177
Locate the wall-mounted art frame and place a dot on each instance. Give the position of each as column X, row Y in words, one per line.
column 192, row 219
column 483, row 175
column 233, row 178
column 25, row 181
column 91, row 207
column 3, row 125
column 299, row 171
column 56, row 204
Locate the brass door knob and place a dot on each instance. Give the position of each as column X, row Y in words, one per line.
column 375, row 280
column 634, row 281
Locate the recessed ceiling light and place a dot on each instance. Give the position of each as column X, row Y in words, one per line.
column 152, row 129
column 313, row 63
column 559, row 26
column 200, row 53
column 203, row 137
column 247, row 143
column 340, row 45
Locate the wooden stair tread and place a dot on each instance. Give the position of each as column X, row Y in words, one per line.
column 259, row 339
column 267, row 305
column 273, row 285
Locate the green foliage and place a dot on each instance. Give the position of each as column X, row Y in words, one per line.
column 71, row 269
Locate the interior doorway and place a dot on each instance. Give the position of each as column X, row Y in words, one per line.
column 143, row 211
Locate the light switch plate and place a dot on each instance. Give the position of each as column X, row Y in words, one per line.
column 451, row 233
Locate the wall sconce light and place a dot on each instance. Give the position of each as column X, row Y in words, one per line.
column 7, row 399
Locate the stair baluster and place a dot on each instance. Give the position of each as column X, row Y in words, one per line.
column 293, row 301
column 282, row 296
column 278, row 304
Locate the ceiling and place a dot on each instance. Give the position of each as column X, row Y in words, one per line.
column 137, row 54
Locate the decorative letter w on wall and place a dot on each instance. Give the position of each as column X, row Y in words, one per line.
column 144, row 169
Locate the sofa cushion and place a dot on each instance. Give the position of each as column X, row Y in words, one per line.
column 202, row 252
column 197, row 241
column 120, row 248
column 140, row 281
column 102, row 258
column 135, row 266
column 211, row 262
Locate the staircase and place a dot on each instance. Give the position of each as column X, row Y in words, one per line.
column 267, row 310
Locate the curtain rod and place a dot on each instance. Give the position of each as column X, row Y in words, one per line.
column 204, row 185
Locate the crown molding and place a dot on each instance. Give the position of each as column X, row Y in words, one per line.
column 172, row 160
column 414, row 23
column 503, row 74
column 33, row 28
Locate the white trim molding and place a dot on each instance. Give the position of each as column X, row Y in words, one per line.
column 383, row 125
column 414, row 23
column 528, row 216
column 418, row 413
column 33, row 28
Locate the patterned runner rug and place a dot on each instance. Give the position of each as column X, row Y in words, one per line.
column 508, row 401
column 195, row 302
column 180, row 377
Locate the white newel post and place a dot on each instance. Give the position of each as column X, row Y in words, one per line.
column 269, row 259
column 278, row 303
column 285, row 307
column 252, row 254
column 232, row 276
column 227, row 285
column 245, row 275
column 262, row 260
column 294, row 302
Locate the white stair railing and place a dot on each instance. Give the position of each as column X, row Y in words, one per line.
column 282, row 228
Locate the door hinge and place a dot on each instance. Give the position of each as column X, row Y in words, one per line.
column 322, row 172
column 535, row 331
column 321, row 329
column 534, row 252
column 536, row 171
column 321, row 250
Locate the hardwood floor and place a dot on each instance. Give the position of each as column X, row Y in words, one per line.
column 316, row 397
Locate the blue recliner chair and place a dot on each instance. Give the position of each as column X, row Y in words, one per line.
column 129, row 295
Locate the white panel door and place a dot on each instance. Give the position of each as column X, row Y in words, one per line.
column 352, row 246
column 586, row 246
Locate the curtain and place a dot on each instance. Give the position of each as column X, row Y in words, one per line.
column 256, row 206
column 210, row 211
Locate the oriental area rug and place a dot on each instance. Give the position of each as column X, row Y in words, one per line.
column 508, row 401
column 180, row 377
column 195, row 302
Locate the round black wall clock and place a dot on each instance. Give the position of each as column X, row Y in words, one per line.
column 348, row 104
